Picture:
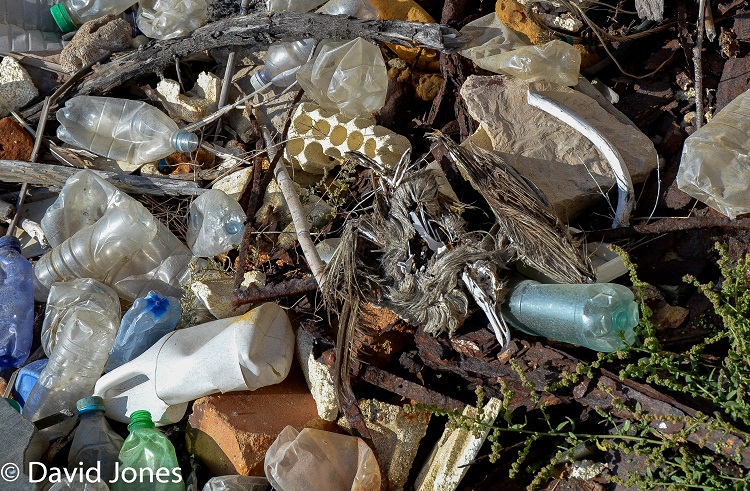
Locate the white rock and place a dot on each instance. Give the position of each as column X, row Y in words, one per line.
column 235, row 183
column 214, row 289
column 453, row 454
column 16, row 87
column 201, row 101
column 559, row 160
column 318, row 377
column 319, row 139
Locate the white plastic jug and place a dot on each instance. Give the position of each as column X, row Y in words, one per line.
column 239, row 353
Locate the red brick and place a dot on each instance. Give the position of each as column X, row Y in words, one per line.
column 15, row 142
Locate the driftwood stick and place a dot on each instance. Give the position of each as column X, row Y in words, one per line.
column 257, row 31
column 54, row 177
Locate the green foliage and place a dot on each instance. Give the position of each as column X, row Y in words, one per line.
column 663, row 448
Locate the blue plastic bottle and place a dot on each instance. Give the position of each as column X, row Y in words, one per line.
column 26, row 379
column 148, row 320
column 16, row 304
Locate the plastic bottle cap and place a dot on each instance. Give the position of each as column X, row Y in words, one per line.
column 8, row 241
column 62, row 19
column 13, row 404
column 185, row 141
column 88, row 404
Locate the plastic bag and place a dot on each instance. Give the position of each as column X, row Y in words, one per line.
column 306, row 459
column 488, row 39
column 167, row 19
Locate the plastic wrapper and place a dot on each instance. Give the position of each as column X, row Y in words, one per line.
column 65, row 300
column 167, row 19
column 237, row 483
column 716, row 159
column 346, row 76
column 215, row 223
column 344, row 463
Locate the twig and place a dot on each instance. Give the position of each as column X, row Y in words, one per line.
column 667, row 225
column 698, row 62
column 625, row 198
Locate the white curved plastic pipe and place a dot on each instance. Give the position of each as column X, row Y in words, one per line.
column 626, row 195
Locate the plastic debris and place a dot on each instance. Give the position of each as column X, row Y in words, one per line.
column 215, row 224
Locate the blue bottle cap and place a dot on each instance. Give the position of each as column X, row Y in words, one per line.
column 88, row 404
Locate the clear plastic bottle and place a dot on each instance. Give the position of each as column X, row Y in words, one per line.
column 70, row 14
column 215, row 223
column 16, row 304
column 26, row 379
column 29, row 28
column 161, row 264
column 100, row 251
column 283, row 59
column 86, row 337
column 590, row 315
column 147, row 450
column 122, row 129
column 168, row 19
column 146, row 322
column 95, row 444
column 360, row 9
column 716, row 158
column 346, row 76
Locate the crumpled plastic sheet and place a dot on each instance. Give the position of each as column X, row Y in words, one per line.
column 317, row 459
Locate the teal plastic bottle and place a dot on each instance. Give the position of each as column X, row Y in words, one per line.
column 148, row 461
column 589, row 315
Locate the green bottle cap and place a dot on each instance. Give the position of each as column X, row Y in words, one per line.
column 13, row 404
column 62, row 19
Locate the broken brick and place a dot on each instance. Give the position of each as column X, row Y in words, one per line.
column 15, row 142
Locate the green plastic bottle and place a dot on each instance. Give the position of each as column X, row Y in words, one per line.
column 147, row 460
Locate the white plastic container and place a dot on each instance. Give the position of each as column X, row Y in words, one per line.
column 716, row 158
column 27, row 25
column 121, row 129
column 215, row 223
column 239, row 353
column 162, row 262
column 283, row 59
column 86, row 337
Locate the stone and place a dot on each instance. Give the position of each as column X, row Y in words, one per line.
column 235, row 183
column 214, row 289
column 231, row 432
column 16, row 87
column 95, row 39
column 735, row 79
column 15, row 142
column 396, row 434
column 452, row 455
column 318, row 377
column 197, row 103
column 513, row 14
column 19, row 444
column 548, row 152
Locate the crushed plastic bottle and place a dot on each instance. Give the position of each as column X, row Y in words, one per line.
column 65, row 298
column 160, row 265
column 121, row 129
column 145, row 452
column 70, row 14
column 292, row 5
column 94, row 444
column 215, row 223
column 237, row 483
column 590, row 315
column 496, row 48
column 26, row 379
column 169, row 19
column 16, row 304
column 148, row 320
column 239, row 353
column 101, row 251
column 360, row 9
column 716, row 158
column 346, row 76
column 283, row 59
column 30, row 28
column 86, row 337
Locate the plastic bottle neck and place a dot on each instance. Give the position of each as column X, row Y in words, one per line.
column 139, row 420
column 184, row 141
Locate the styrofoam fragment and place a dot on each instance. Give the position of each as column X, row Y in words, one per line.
column 16, row 86
column 319, row 139
column 200, row 101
